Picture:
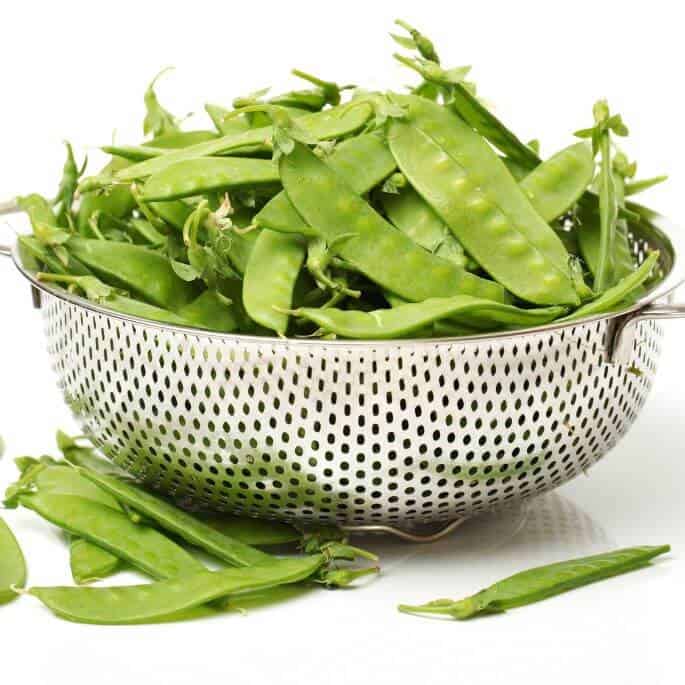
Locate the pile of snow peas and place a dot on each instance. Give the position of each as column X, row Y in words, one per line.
column 333, row 211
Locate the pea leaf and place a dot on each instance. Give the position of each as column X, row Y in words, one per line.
column 158, row 121
column 49, row 235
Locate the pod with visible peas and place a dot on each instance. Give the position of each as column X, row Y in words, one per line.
column 470, row 188
column 12, row 565
column 171, row 599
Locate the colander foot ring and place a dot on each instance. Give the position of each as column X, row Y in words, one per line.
column 420, row 534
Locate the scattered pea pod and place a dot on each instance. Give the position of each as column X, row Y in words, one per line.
column 540, row 583
column 12, row 565
column 171, row 599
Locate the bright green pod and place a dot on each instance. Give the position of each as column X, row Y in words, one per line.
column 211, row 312
column 469, row 187
column 209, row 174
column 143, row 272
column 12, row 565
column 89, row 563
column 364, row 239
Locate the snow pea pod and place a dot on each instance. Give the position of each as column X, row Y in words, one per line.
column 253, row 531
column 469, row 187
column 31, row 247
column 133, row 267
column 326, row 125
column 179, row 139
column 224, row 124
column 12, row 564
column 540, row 583
column 411, row 214
column 613, row 296
column 143, row 547
column 556, row 184
column 270, row 276
column 377, row 249
column 362, row 162
column 89, row 563
column 210, row 311
column 174, row 212
column 207, row 174
column 405, row 319
column 179, row 522
column 170, row 599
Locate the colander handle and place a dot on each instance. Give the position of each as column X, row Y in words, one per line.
column 623, row 339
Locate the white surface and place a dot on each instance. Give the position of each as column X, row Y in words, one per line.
column 77, row 70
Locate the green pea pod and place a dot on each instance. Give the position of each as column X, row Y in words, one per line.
column 176, row 140
column 270, row 277
column 210, row 311
column 541, row 583
column 174, row 212
column 117, row 201
column 143, row 547
column 612, row 297
column 225, row 125
column 326, row 125
column 208, row 174
column 170, row 600
column 362, row 162
column 40, row 254
column 403, row 320
column 253, row 531
column 12, row 565
column 378, row 249
column 89, row 563
column 178, row 522
column 469, row 187
column 408, row 211
column 557, row 184
column 135, row 268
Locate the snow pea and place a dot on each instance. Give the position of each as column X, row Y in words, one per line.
column 207, row 174
column 141, row 546
column 117, row 201
column 174, row 212
column 210, row 311
column 469, row 187
column 362, row 162
column 378, row 249
column 329, row 124
column 270, row 276
column 611, row 297
column 405, row 319
column 408, row 211
column 31, row 248
column 133, row 267
column 540, row 583
column 171, row 599
column 175, row 140
column 89, row 563
column 179, row 522
column 555, row 185
column 250, row 531
column 12, row 564
column 225, row 125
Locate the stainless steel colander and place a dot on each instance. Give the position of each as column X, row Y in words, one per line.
column 392, row 435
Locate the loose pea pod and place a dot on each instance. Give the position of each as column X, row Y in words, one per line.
column 89, row 563
column 326, row 125
column 141, row 546
column 270, row 276
column 12, row 565
column 135, row 268
column 207, row 174
column 613, row 296
column 406, row 319
column 540, row 583
column 556, row 184
column 469, row 187
column 171, row 599
column 378, row 250
column 178, row 522
column 361, row 162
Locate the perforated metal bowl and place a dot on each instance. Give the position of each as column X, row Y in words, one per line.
column 373, row 435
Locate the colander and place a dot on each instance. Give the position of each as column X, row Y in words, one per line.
column 410, row 437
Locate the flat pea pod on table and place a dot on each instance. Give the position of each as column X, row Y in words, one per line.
column 12, row 565
column 171, row 599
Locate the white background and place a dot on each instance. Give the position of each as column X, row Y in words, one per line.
column 77, row 71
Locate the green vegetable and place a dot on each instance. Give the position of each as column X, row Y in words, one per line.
column 12, row 565
column 540, row 583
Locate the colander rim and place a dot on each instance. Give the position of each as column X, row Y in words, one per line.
column 654, row 221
